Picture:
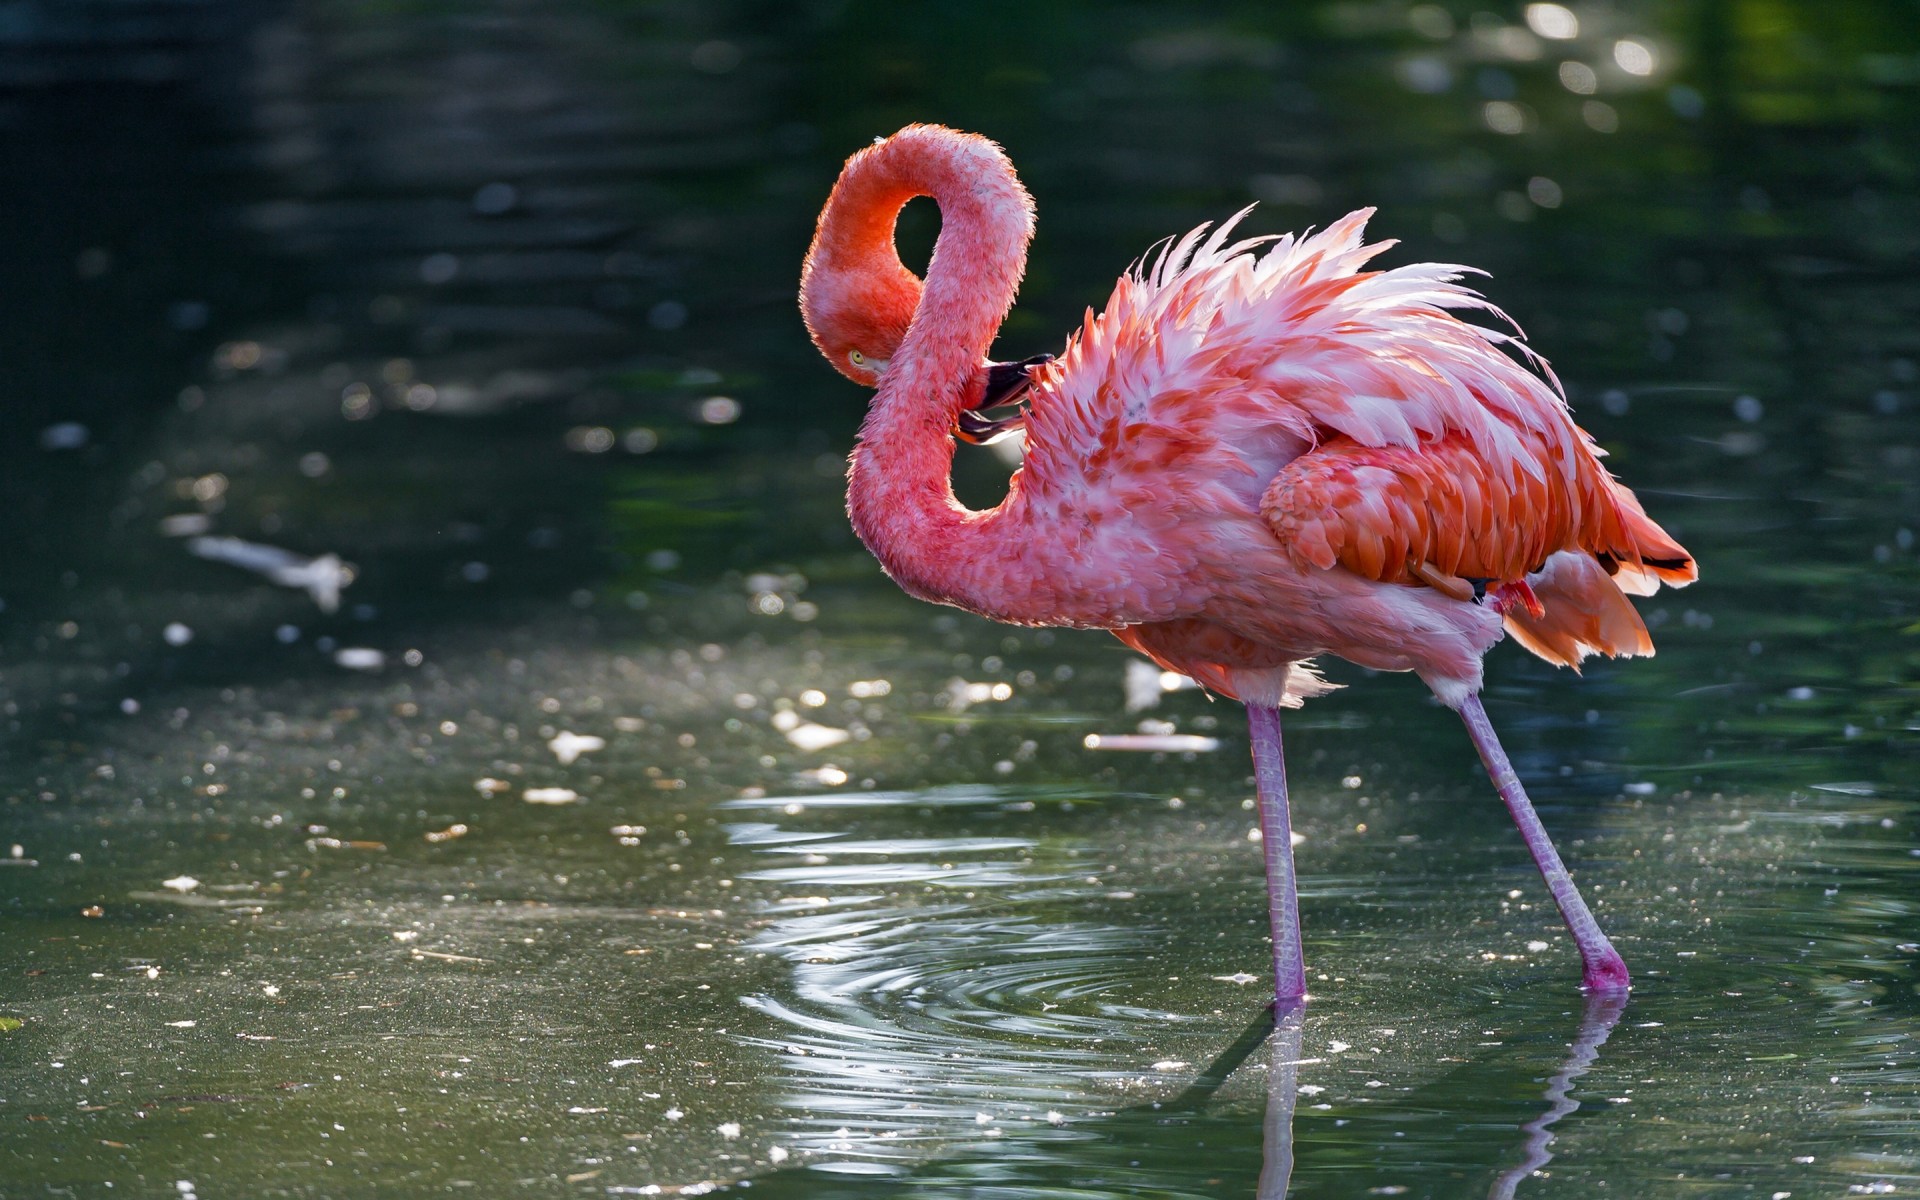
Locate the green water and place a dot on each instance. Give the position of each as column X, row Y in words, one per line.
column 495, row 303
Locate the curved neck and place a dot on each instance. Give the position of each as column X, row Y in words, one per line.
column 900, row 494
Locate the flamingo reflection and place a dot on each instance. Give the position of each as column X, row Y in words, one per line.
column 1596, row 1023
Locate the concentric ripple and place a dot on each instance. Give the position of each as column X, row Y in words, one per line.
column 919, row 1015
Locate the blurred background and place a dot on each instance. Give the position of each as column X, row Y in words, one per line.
column 416, row 475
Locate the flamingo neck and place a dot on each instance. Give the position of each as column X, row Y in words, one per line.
column 900, row 494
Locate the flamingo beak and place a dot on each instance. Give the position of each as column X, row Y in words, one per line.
column 1007, row 384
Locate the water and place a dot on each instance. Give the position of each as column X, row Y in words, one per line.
column 495, row 306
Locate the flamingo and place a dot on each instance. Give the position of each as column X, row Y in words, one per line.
column 1258, row 453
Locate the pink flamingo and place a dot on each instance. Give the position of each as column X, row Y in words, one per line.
column 1258, row 453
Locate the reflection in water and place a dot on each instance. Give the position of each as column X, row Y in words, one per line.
column 1596, row 1023
column 1283, row 1088
column 966, row 1029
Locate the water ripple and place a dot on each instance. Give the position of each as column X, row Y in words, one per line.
column 913, row 1020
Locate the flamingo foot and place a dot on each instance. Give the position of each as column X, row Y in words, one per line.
column 1603, row 970
column 1276, row 841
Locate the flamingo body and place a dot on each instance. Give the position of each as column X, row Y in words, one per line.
column 1260, row 450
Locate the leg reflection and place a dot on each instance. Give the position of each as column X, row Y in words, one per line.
column 1596, row 1023
column 1283, row 1082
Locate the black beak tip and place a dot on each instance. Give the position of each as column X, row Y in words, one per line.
column 1008, row 380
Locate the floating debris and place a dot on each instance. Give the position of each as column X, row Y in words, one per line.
column 333, row 843
column 809, row 736
column 1178, row 743
column 491, row 787
column 961, row 695
column 181, row 883
column 443, row 956
column 568, row 746
column 322, row 578
column 550, row 795
column 360, row 658
column 1146, row 683
column 446, row 835
column 185, row 524
column 184, row 900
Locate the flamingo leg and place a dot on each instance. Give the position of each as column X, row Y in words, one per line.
column 1276, row 840
column 1603, row 968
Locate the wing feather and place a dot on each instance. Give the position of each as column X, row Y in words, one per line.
column 1373, row 426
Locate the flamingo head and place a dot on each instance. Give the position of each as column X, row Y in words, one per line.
column 858, row 317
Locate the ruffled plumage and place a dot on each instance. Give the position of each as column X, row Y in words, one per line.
column 1419, row 448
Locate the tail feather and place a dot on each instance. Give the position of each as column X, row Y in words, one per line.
column 1582, row 611
column 1649, row 556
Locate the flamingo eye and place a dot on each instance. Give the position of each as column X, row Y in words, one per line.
column 856, row 358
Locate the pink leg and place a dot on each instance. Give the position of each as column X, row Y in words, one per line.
column 1604, row 969
column 1276, row 839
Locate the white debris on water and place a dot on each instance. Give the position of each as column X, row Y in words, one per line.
column 810, row 737
column 961, row 695
column 1173, row 743
column 730, row 1130
column 568, row 746
column 491, row 787
column 180, row 883
column 176, row 634
column 360, row 658
column 550, row 795
column 185, row 524
column 1146, row 683
column 322, row 578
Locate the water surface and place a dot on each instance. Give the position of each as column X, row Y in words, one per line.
column 622, row 831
